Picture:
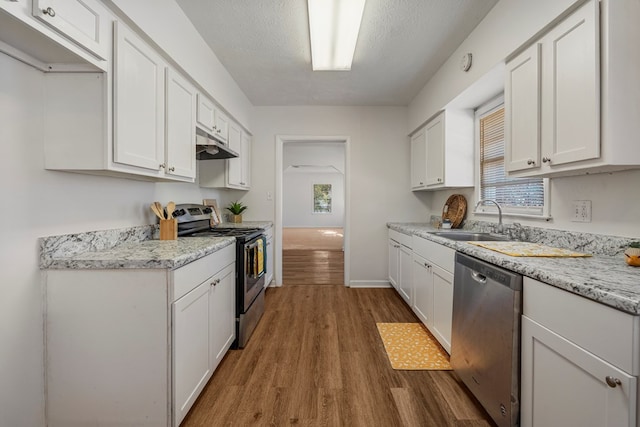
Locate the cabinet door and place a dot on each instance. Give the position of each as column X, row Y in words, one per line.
column 206, row 113
column 564, row 385
column 442, row 306
column 418, row 160
column 222, row 126
column 83, row 21
column 423, row 289
column 394, row 257
column 405, row 285
column 222, row 315
column 191, row 367
column 522, row 110
column 435, row 151
column 234, row 166
column 181, row 130
column 571, row 89
column 139, row 87
column 246, row 160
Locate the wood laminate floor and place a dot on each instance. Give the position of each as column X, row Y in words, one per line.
column 316, row 359
column 312, row 267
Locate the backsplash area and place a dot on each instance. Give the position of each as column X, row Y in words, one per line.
column 596, row 244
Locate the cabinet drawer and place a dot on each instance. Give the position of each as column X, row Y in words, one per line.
column 438, row 254
column 191, row 275
column 606, row 332
column 401, row 238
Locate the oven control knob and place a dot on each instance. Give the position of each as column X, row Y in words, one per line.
column 206, row 210
column 178, row 212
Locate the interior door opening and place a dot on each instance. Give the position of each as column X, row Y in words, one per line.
column 311, row 211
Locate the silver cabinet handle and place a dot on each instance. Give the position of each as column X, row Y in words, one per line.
column 421, row 183
column 162, row 166
column 546, row 160
column 172, row 169
column 49, row 11
column 612, row 382
column 439, row 179
column 215, row 282
column 268, row 243
column 531, row 162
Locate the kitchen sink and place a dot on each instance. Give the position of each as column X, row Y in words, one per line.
column 466, row 236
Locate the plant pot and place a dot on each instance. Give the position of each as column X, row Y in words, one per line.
column 235, row 218
column 632, row 256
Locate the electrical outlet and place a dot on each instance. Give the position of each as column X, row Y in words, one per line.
column 581, row 211
column 269, row 196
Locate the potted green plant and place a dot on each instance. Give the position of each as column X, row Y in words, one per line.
column 236, row 208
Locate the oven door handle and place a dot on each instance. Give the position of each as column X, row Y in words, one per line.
column 253, row 245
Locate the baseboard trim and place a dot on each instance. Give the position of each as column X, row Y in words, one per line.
column 369, row 284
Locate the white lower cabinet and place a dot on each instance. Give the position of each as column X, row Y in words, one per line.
column 191, row 367
column 433, row 266
column 579, row 369
column 423, row 289
column 135, row 346
column 400, row 265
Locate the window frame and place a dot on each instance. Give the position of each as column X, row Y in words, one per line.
column 490, row 209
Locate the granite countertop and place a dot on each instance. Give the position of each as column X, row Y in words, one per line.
column 603, row 278
column 167, row 254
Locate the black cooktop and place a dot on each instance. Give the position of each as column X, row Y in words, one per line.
column 242, row 235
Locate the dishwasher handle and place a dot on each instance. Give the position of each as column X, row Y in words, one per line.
column 480, row 278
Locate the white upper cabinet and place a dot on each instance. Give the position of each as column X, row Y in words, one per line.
column 181, row 132
column 83, row 21
column 522, row 110
column 442, row 152
column 233, row 173
column 206, row 113
column 212, row 120
column 57, row 35
column 568, row 96
column 418, row 165
column 222, row 126
column 139, row 89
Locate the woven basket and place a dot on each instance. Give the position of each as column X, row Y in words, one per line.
column 454, row 209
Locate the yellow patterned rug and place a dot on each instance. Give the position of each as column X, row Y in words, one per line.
column 411, row 347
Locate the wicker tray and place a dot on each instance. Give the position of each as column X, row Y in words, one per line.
column 454, row 209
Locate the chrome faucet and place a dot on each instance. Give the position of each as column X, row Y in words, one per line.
column 500, row 226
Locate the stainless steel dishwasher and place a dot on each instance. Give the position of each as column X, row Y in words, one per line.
column 485, row 341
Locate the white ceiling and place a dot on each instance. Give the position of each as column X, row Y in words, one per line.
column 264, row 44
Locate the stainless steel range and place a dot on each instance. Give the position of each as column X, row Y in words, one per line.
column 251, row 264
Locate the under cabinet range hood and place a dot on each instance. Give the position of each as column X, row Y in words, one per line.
column 208, row 148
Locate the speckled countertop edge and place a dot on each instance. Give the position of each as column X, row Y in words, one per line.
column 165, row 254
column 602, row 278
column 132, row 247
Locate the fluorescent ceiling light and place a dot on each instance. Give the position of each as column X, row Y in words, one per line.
column 334, row 27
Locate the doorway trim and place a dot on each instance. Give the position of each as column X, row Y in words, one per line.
column 280, row 141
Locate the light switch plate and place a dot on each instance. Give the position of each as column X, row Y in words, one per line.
column 581, row 210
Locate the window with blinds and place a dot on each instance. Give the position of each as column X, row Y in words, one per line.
column 516, row 195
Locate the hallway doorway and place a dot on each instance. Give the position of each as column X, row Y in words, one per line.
column 312, row 220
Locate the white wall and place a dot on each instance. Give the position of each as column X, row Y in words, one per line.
column 168, row 26
column 379, row 159
column 507, row 26
column 326, row 161
column 40, row 203
column 297, row 210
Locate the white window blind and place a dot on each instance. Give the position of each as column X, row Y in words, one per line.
column 515, row 195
